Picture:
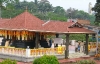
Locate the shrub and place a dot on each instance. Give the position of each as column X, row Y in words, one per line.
column 86, row 62
column 8, row 61
column 46, row 59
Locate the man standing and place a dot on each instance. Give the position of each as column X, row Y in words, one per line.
column 76, row 46
column 50, row 42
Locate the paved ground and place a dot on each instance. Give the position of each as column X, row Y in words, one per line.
column 66, row 61
column 72, row 58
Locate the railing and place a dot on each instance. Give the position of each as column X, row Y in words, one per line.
column 12, row 51
column 47, row 51
column 93, row 45
column 32, row 52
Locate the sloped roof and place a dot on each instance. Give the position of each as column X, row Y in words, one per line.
column 3, row 20
column 56, row 26
column 27, row 21
column 64, row 27
column 24, row 21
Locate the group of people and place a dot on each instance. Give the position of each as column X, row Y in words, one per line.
column 79, row 46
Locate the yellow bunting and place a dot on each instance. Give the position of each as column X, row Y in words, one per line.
column 14, row 33
column 22, row 34
column 0, row 33
column 18, row 34
column 5, row 34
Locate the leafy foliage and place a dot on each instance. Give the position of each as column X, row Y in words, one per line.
column 8, row 61
column 86, row 62
column 46, row 59
column 79, row 14
column 96, row 8
column 44, row 10
column 78, row 37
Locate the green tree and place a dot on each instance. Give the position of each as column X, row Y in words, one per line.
column 79, row 14
column 55, row 16
column 3, row 4
column 59, row 10
column 71, row 13
column 96, row 8
column 44, row 6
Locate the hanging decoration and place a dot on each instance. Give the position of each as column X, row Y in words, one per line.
column 23, row 35
column 18, row 35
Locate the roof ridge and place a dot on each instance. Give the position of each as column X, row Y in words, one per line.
column 46, row 22
column 25, row 18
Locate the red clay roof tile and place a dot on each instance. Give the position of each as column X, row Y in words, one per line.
column 63, row 27
column 25, row 21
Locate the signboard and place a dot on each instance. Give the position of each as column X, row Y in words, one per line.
column 58, row 40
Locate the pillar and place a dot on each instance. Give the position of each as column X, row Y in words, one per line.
column 86, row 44
column 28, row 51
column 36, row 40
column 67, row 46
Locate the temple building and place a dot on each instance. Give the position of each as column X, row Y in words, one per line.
column 28, row 30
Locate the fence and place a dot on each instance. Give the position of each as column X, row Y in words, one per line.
column 32, row 52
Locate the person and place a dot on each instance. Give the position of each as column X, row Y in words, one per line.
column 79, row 47
column 46, row 44
column 50, row 42
column 47, row 40
column 3, row 42
column 52, row 46
column 76, row 46
column 39, row 45
column 56, row 45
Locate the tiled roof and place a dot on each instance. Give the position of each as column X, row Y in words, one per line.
column 64, row 27
column 24, row 21
column 27, row 21
column 3, row 20
column 56, row 26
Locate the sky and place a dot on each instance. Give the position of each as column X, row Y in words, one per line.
column 77, row 4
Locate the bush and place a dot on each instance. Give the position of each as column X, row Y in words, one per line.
column 86, row 62
column 46, row 59
column 8, row 61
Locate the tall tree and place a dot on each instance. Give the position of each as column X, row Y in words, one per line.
column 96, row 8
column 59, row 10
column 4, row 2
column 44, row 6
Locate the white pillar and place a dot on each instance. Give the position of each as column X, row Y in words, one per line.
column 27, row 51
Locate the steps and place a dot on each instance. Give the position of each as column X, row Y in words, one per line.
column 76, row 55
